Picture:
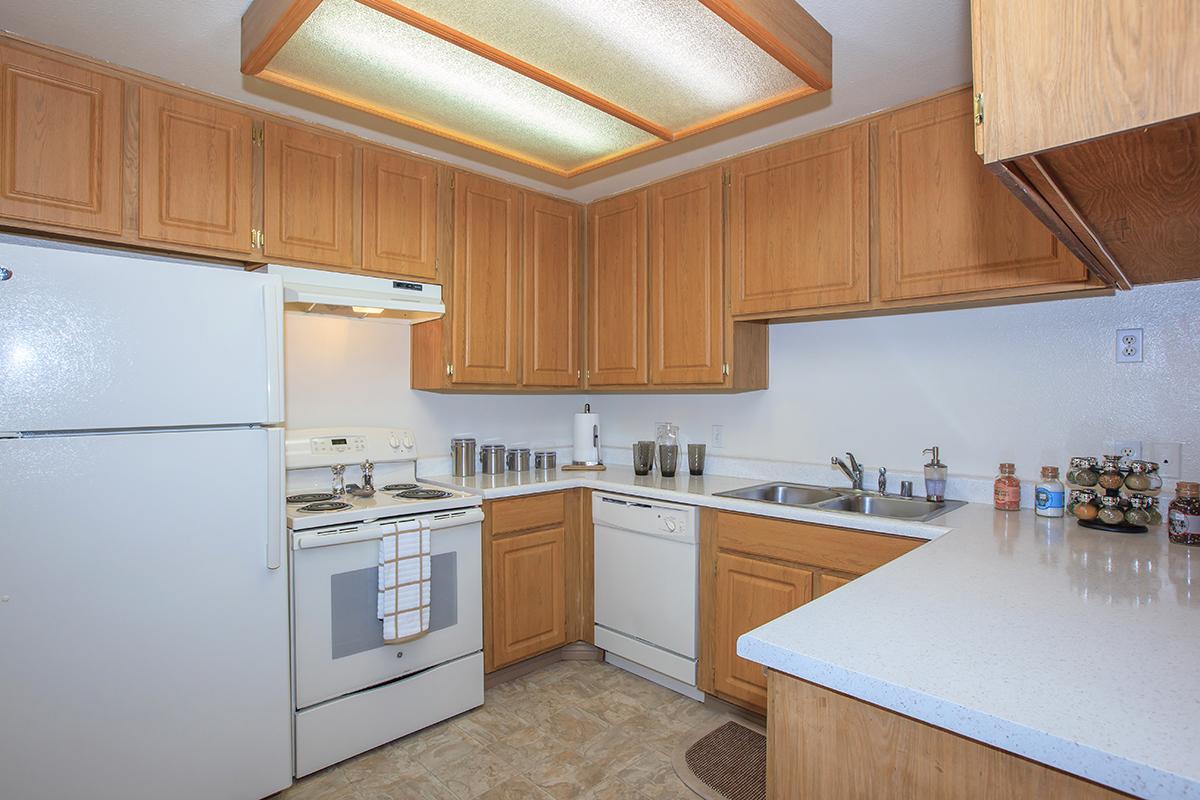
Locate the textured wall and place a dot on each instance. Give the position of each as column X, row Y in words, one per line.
column 1033, row 384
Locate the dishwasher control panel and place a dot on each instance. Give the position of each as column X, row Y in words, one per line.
column 649, row 517
column 672, row 522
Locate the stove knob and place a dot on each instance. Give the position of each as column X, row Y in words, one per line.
column 670, row 524
column 408, row 440
column 394, row 441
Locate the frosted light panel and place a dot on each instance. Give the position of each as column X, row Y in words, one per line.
column 673, row 62
column 369, row 58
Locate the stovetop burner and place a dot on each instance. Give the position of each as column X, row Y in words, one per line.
column 325, row 506
column 399, row 487
column 310, row 497
column 423, row 494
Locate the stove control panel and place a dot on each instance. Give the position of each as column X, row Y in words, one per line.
column 323, row 447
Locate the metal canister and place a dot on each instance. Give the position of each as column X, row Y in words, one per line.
column 518, row 459
column 545, row 460
column 491, row 459
column 462, row 453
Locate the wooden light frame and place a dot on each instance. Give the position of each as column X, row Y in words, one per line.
column 780, row 28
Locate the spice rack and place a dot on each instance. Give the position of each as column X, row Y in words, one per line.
column 1111, row 495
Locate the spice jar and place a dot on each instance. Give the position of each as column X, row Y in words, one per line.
column 1006, row 491
column 1084, row 504
column 1152, row 510
column 1048, row 496
column 1138, row 479
column 1137, row 513
column 1183, row 516
column 1154, row 477
column 1110, row 476
column 1110, row 511
column 1083, row 471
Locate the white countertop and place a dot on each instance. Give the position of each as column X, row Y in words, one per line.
column 1079, row 649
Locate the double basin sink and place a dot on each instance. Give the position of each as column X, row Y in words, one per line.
column 857, row 501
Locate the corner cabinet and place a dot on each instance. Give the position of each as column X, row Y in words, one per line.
column 308, row 196
column 618, row 310
column 61, row 142
column 946, row 225
column 755, row 569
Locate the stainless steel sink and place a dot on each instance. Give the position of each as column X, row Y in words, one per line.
column 855, row 501
column 786, row 494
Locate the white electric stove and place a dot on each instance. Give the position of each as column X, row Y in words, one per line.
column 351, row 691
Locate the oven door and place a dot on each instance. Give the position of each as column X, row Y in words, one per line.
column 338, row 639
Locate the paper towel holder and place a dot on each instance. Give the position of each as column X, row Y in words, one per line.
column 595, row 443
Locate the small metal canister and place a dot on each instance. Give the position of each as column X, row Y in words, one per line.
column 462, row 453
column 518, row 459
column 491, row 459
column 545, row 460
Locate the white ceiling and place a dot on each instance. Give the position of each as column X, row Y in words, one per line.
column 885, row 52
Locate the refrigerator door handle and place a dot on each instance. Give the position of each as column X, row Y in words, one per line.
column 273, row 322
column 276, row 502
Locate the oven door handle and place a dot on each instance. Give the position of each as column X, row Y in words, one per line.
column 360, row 533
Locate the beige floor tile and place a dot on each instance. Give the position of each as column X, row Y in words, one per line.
column 611, row 705
column 473, row 774
column 412, row 785
column 574, row 727
column 567, row 775
column 328, row 784
column 613, row 789
column 490, row 723
column 652, row 775
column 448, row 746
column 614, row 749
column 527, row 748
column 517, row 788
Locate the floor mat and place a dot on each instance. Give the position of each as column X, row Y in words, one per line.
column 727, row 761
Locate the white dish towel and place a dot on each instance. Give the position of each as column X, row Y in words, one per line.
column 404, row 581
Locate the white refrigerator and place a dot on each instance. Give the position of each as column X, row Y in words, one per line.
column 143, row 585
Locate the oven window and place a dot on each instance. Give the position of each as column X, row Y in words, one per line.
column 356, row 629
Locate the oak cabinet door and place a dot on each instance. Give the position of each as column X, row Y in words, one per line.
column 826, row 583
column 529, row 595
column 947, row 225
column 750, row 593
column 618, row 306
column 308, row 197
column 799, row 224
column 687, row 280
column 60, row 143
column 484, row 297
column 551, row 295
column 194, row 168
column 400, row 220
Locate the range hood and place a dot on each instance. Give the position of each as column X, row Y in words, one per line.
column 316, row 291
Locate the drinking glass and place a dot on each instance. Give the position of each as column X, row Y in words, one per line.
column 696, row 459
column 668, row 456
column 643, row 457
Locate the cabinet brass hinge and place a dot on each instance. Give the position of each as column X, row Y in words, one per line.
column 725, row 368
column 256, row 238
column 578, row 374
column 450, row 370
column 977, row 109
column 256, row 135
column 725, row 178
column 451, row 183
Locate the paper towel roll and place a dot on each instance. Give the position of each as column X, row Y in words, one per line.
column 586, row 439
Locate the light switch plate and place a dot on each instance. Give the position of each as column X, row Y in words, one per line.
column 718, row 437
column 1168, row 455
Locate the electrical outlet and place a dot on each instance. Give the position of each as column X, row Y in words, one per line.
column 1129, row 345
column 718, row 437
column 1168, row 456
column 1127, row 449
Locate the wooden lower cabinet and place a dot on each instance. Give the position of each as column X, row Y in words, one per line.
column 751, row 592
column 824, row 744
column 754, row 569
column 529, row 595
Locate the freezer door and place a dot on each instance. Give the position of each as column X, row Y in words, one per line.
column 145, row 636
column 95, row 341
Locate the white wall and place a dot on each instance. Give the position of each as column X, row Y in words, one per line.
column 1033, row 384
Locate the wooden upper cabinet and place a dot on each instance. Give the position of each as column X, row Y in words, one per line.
column 400, row 219
column 528, row 600
column 551, row 292
column 687, row 279
column 618, row 307
column 749, row 593
column 946, row 224
column 60, row 142
column 194, row 172
column 1056, row 73
column 308, row 197
column 799, row 224
column 484, row 300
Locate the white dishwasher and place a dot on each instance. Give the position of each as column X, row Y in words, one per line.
column 646, row 576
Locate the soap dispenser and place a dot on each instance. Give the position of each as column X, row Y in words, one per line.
column 935, row 477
